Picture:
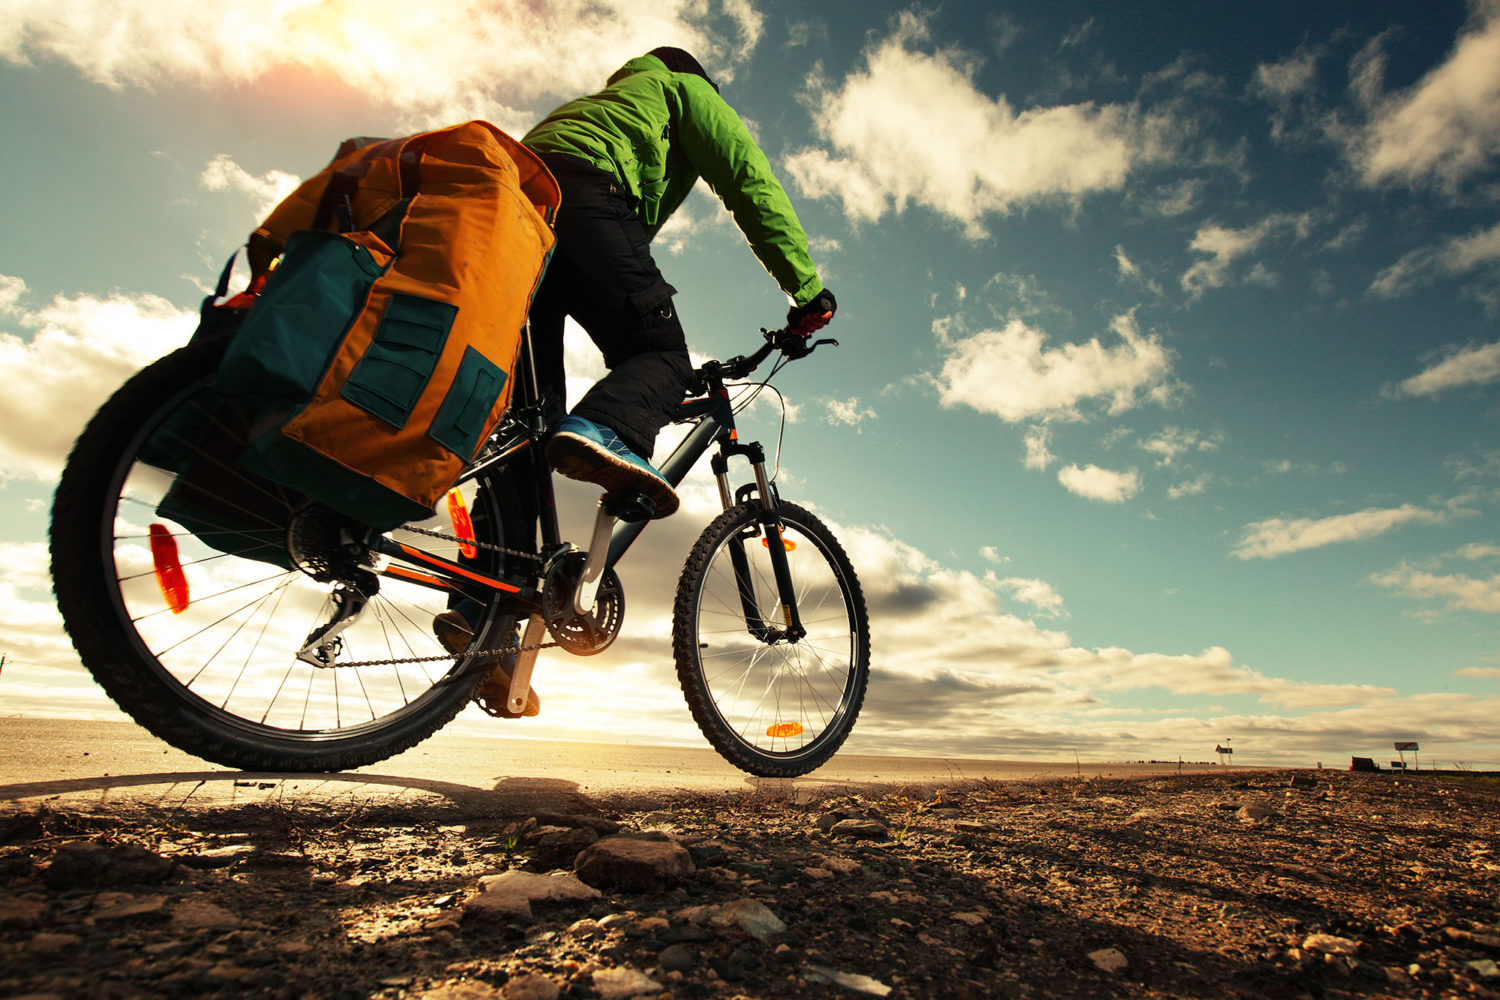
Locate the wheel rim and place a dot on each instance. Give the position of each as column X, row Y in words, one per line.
column 230, row 652
column 780, row 699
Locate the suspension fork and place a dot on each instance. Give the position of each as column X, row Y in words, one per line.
column 791, row 628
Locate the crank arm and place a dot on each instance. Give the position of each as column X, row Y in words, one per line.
column 520, row 676
column 587, row 591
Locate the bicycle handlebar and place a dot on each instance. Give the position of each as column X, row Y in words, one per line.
column 790, row 343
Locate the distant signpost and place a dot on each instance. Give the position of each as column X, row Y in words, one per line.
column 1404, row 745
column 1224, row 753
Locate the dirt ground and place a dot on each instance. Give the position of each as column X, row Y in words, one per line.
column 1241, row 884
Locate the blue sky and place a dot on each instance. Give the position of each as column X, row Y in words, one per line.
column 1167, row 403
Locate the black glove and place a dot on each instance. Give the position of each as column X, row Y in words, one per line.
column 814, row 316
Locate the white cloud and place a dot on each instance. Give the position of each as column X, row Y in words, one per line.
column 80, row 350
column 1472, row 365
column 1015, row 375
column 1190, row 488
column 445, row 59
column 1105, row 485
column 848, row 412
column 1281, row 536
column 1287, row 85
column 267, row 190
column 1478, row 550
column 1454, row 257
column 1459, row 591
column 1225, row 247
column 1289, row 78
column 1174, row 442
column 1478, row 672
column 1176, row 198
column 1444, row 129
column 1038, row 448
column 1038, row 593
column 912, row 127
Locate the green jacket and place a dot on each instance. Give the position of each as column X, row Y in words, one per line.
column 658, row 132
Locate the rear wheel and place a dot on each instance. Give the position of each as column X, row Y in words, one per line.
column 771, row 704
column 188, row 588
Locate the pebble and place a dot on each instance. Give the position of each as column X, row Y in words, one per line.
column 89, row 865
column 114, row 906
column 749, row 915
column 513, row 892
column 17, row 911
column 1329, row 944
column 1110, row 960
column 195, row 915
column 853, row 981
column 840, row 866
column 676, row 958
column 1484, row 968
column 461, row 991
column 214, row 858
column 601, row 825
column 1256, row 812
column 48, row 944
column 619, row 983
column 860, row 829
column 634, row 865
column 532, row 986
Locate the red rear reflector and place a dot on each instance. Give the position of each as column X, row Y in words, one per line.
column 169, row 575
column 783, row 729
column 463, row 525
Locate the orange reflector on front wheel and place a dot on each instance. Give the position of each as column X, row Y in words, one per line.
column 783, row 729
column 786, row 543
column 463, row 525
column 169, row 575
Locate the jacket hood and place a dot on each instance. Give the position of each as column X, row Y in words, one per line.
column 640, row 64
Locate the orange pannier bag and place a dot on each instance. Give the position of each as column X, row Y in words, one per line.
column 377, row 358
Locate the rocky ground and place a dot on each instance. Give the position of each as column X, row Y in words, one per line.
column 1271, row 884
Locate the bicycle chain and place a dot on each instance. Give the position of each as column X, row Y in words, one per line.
column 489, row 546
column 507, row 651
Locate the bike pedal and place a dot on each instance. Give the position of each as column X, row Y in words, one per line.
column 629, row 506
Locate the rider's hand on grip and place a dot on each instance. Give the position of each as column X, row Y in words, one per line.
column 807, row 320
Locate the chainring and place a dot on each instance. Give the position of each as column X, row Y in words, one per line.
column 582, row 634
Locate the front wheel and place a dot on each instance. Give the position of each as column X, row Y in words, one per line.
column 770, row 703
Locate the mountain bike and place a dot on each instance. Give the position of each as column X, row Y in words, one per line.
column 258, row 628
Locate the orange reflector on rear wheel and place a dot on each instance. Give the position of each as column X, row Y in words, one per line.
column 463, row 525
column 169, row 575
column 783, row 729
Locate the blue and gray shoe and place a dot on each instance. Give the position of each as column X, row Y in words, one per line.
column 584, row 450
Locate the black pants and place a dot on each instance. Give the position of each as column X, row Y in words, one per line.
column 603, row 276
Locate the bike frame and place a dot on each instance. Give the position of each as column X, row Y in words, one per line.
column 519, row 449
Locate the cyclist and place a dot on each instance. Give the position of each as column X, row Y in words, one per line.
column 626, row 158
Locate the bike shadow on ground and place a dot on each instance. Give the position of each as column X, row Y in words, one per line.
column 178, row 790
column 434, row 798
